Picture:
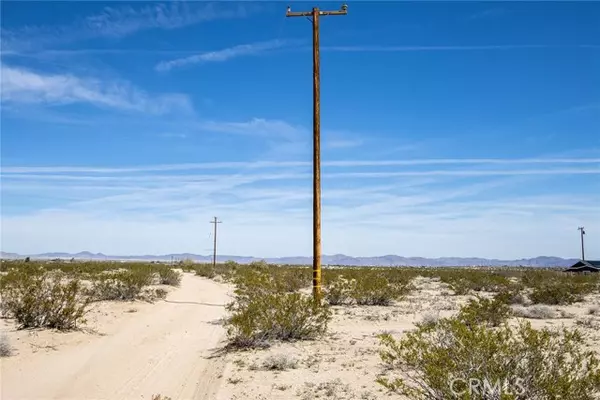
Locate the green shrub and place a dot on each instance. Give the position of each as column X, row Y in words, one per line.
column 264, row 309
column 554, row 288
column 463, row 281
column 375, row 289
column 553, row 294
column 169, row 277
column 365, row 287
column 260, row 318
column 441, row 361
column 205, row 271
column 121, row 285
column 339, row 291
column 38, row 299
column 485, row 311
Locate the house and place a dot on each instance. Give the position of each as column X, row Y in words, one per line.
column 585, row 266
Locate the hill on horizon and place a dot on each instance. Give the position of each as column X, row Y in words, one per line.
column 390, row 260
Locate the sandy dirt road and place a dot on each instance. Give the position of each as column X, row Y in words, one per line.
column 164, row 349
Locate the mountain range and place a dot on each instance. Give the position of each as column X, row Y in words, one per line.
column 336, row 259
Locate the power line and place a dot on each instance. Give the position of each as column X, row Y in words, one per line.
column 215, row 241
column 316, row 14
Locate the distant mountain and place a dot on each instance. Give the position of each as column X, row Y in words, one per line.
column 336, row 259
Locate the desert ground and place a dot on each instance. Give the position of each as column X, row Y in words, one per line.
column 175, row 347
column 130, row 350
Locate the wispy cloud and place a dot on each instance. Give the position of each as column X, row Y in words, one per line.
column 223, row 54
column 283, row 164
column 117, row 22
column 20, row 85
column 432, row 215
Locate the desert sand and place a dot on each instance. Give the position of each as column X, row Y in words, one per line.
column 346, row 363
column 135, row 349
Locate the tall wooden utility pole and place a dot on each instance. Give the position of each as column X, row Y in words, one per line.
column 581, row 228
column 215, row 241
column 316, row 14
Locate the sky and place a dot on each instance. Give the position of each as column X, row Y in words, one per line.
column 459, row 129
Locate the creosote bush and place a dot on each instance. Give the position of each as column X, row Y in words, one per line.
column 39, row 299
column 265, row 317
column 464, row 281
column 556, row 288
column 365, row 287
column 279, row 362
column 263, row 311
column 339, row 291
column 121, row 285
column 439, row 361
column 169, row 277
column 485, row 311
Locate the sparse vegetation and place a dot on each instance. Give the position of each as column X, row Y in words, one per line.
column 169, row 277
column 438, row 361
column 160, row 397
column 535, row 312
column 38, row 299
column 121, row 285
column 366, row 287
column 261, row 318
column 482, row 310
column 264, row 309
column 279, row 362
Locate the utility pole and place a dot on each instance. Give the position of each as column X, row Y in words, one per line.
column 581, row 228
column 214, row 221
column 316, row 14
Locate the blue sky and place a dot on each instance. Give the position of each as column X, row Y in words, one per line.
column 448, row 128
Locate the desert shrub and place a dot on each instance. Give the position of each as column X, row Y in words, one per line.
column 553, row 288
column 121, row 285
column 514, row 294
column 376, row 289
column 169, row 277
column 539, row 311
column 442, row 361
column 205, row 271
column 365, row 287
column 464, row 281
column 38, row 299
column 429, row 319
column 279, row 362
column 554, row 293
column 159, row 293
column 266, row 316
column 6, row 350
column 339, row 291
column 485, row 311
column 292, row 279
column 159, row 397
column 262, row 312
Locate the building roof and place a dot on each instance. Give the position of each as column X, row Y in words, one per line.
column 584, row 264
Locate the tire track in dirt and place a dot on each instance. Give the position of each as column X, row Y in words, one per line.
column 165, row 350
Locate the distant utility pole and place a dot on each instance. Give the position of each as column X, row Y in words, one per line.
column 316, row 14
column 214, row 221
column 581, row 228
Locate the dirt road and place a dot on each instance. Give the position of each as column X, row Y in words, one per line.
column 163, row 349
